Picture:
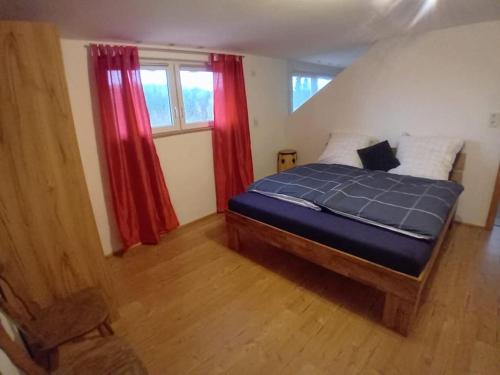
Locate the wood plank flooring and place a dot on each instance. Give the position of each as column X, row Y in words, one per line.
column 193, row 306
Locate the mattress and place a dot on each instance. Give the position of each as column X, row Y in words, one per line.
column 390, row 249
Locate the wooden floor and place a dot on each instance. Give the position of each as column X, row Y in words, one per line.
column 193, row 306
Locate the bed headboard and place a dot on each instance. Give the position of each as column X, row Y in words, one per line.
column 457, row 171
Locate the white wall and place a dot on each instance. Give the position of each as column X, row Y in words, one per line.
column 443, row 82
column 266, row 82
column 186, row 159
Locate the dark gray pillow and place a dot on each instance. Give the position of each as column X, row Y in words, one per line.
column 378, row 157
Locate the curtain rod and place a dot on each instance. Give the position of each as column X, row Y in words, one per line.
column 166, row 49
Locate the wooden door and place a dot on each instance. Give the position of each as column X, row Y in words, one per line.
column 48, row 237
column 495, row 204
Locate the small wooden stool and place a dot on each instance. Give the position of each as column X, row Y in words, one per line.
column 286, row 159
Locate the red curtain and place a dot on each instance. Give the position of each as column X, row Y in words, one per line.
column 231, row 134
column 140, row 197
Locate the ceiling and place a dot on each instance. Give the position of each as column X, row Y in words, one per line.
column 332, row 32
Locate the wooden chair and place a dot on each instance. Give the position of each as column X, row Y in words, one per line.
column 100, row 356
column 45, row 329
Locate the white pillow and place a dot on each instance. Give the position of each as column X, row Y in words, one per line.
column 342, row 149
column 428, row 157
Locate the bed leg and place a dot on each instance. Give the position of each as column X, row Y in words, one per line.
column 399, row 313
column 233, row 237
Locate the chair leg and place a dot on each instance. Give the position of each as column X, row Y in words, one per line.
column 53, row 359
column 40, row 358
column 48, row 359
column 108, row 328
column 103, row 330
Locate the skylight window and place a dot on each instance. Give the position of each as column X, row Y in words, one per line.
column 305, row 86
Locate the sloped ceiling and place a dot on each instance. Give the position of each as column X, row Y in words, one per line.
column 322, row 31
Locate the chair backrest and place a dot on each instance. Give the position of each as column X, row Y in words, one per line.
column 18, row 356
column 17, row 308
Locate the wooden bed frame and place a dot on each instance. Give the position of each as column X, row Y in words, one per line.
column 402, row 291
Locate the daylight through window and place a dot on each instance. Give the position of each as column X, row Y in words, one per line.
column 178, row 96
column 305, row 86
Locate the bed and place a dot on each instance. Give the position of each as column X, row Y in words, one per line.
column 392, row 262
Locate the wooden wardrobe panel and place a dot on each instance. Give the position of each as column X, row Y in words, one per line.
column 48, row 236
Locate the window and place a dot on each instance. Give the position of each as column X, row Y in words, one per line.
column 178, row 96
column 197, row 94
column 157, row 92
column 304, row 86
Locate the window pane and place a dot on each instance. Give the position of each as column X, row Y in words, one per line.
column 197, row 95
column 155, row 84
column 322, row 82
column 304, row 87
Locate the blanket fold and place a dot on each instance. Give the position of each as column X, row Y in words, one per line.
column 414, row 206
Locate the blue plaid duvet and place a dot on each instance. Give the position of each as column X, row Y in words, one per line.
column 415, row 206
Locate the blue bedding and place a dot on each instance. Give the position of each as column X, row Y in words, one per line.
column 417, row 207
column 390, row 249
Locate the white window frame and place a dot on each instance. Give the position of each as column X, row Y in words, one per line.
column 306, row 75
column 194, row 67
column 174, row 105
column 173, row 69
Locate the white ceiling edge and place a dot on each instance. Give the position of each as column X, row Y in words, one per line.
column 170, row 47
column 341, row 58
column 297, row 66
column 294, row 65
